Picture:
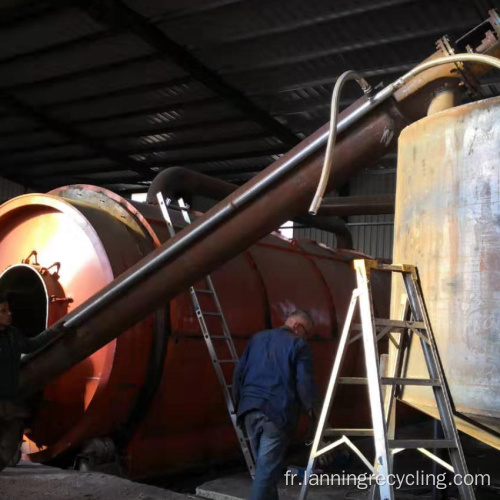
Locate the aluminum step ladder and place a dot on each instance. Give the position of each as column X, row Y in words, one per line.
column 216, row 342
column 383, row 406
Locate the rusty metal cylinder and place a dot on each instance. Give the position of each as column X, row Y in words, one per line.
column 153, row 390
column 447, row 222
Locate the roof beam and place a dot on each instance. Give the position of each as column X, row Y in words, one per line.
column 116, row 14
column 126, row 92
column 143, row 132
column 260, row 32
column 76, row 75
column 167, row 108
column 160, row 163
column 26, row 12
column 74, row 135
column 11, row 164
column 353, row 46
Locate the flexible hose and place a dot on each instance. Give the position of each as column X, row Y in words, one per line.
column 334, row 111
column 385, row 93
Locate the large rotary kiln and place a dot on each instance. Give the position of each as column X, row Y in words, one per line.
column 153, row 390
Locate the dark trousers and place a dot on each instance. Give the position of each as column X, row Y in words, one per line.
column 269, row 444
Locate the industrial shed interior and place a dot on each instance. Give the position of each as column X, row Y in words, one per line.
column 158, row 165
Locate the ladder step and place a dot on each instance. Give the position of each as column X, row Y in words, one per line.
column 226, row 360
column 391, row 381
column 348, row 432
column 400, row 324
column 203, row 291
column 421, row 443
column 410, row 381
column 353, row 380
column 210, row 313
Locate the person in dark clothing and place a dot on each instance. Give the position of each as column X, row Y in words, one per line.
column 12, row 344
column 273, row 379
column 12, row 413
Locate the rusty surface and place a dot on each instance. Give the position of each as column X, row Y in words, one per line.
column 257, row 289
column 92, row 246
column 416, row 96
column 366, row 142
column 447, row 223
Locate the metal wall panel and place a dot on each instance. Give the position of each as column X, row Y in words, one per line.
column 9, row 189
column 372, row 234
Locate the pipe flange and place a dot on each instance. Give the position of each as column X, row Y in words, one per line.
column 494, row 20
column 467, row 80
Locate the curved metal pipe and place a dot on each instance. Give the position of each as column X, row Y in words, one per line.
column 333, row 225
column 180, row 182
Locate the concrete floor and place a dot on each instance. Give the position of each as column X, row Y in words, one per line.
column 480, row 459
column 39, row 482
column 237, row 487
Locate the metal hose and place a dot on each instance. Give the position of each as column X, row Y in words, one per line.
column 334, row 111
column 382, row 95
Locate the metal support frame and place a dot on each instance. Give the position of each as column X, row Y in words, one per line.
column 66, row 130
column 383, row 406
column 117, row 14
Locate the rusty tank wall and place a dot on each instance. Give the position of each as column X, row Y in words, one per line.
column 448, row 223
column 153, row 390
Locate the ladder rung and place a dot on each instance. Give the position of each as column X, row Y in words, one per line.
column 400, row 324
column 390, row 381
column 226, row 360
column 353, row 380
column 410, row 381
column 211, row 313
column 394, row 268
column 203, row 291
column 421, row 443
column 348, row 432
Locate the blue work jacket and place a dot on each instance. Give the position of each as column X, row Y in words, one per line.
column 275, row 375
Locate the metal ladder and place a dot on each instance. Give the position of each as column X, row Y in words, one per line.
column 382, row 407
column 231, row 356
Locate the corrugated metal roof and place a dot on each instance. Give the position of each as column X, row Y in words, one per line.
column 100, row 91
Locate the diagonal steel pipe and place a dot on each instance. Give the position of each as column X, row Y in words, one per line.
column 366, row 131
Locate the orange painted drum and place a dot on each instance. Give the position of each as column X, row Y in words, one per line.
column 153, row 390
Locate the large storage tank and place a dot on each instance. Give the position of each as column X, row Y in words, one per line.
column 153, row 390
column 448, row 224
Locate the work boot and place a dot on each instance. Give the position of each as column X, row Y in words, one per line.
column 11, row 432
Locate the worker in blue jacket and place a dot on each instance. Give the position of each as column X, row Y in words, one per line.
column 274, row 377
